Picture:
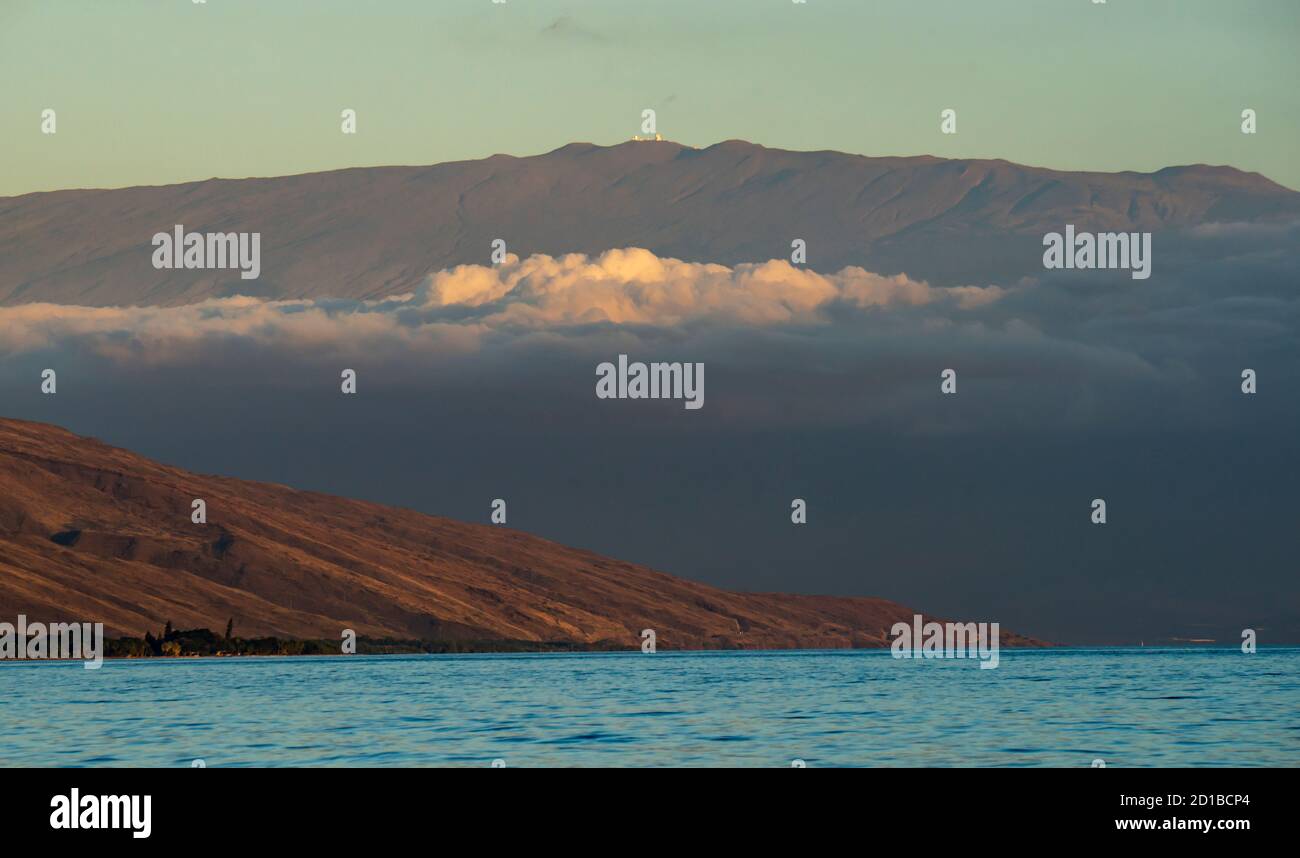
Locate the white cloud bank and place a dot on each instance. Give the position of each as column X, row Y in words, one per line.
column 457, row 307
column 636, row 286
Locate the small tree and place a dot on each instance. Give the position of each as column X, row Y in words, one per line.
column 230, row 628
column 167, row 630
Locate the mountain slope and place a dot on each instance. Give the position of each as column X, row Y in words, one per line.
column 92, row 533
column 368, row 232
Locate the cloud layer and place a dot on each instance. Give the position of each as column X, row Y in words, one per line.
column 455, row 307
column 784, row 343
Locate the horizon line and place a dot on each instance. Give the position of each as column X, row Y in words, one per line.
column 730, row 140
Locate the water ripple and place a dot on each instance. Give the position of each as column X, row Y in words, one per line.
column 1174, row 707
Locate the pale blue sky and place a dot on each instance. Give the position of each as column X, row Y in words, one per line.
column 159, row 91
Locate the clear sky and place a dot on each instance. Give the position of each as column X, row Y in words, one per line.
column 160, row 91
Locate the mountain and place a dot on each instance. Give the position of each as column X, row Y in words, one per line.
column 92, row 533
column 370, row 232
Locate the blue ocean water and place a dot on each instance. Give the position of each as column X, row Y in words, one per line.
column 1060, row 707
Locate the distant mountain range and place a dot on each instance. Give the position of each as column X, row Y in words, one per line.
column 92, row 533
column 370, row 232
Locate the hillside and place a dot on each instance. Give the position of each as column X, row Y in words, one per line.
column 89, row 532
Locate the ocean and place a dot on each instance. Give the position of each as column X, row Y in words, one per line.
column 1056, row 707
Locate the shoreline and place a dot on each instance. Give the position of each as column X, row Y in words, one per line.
column 573, row 650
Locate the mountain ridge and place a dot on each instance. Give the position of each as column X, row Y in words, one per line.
column 585, row 145
column 371, row 232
